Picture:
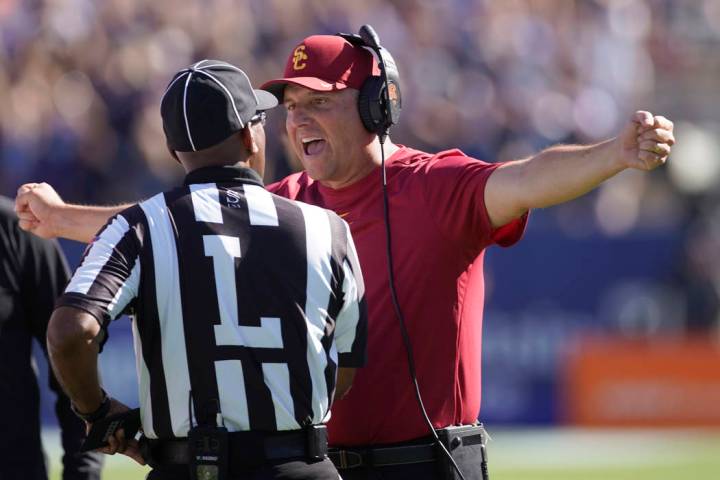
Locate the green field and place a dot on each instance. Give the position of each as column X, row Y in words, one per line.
column 557, row 454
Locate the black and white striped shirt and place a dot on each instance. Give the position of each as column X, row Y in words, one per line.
column 237, row 295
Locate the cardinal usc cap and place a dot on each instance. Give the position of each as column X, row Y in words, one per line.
column 207, row 102
column 325, row 63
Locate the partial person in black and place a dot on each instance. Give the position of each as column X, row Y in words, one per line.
column 33, row 273
column 248, row 309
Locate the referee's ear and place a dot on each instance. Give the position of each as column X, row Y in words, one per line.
column 172, row 153
column 250, row 139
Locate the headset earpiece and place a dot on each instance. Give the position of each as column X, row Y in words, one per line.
column 379, row 107
column 371, row 105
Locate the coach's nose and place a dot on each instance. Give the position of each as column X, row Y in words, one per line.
column 297, row 117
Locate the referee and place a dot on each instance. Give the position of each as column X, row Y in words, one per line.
column 248, row 309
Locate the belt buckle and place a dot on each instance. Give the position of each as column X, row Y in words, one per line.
column 344, row 464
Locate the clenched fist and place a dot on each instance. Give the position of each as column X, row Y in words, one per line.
column 36, row 205
column 646, row 141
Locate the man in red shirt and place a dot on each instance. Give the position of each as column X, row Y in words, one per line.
column 445, row 209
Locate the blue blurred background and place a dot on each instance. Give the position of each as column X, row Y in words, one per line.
column 80, row 83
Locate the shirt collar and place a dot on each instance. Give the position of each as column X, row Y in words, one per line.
column 223, row 173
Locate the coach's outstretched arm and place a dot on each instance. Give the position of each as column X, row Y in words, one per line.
column 565, row 172
column 41, row 211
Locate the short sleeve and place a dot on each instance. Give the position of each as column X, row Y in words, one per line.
column 455, row 193
column 108, row 277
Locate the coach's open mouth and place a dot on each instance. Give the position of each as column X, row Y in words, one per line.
column 313, row 145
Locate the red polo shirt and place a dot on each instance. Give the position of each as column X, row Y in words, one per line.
column 440, row 229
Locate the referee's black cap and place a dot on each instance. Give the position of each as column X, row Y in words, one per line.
column 207, row 102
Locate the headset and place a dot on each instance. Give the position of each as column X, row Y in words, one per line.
column 379, row 106
column 379, row 101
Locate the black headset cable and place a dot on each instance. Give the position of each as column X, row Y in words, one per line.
column 401, row 317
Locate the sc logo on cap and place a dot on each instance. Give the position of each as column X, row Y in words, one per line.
column 299, row 56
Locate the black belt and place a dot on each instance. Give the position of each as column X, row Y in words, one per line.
column 423, row 450
column 382, row 456
column 245, row 448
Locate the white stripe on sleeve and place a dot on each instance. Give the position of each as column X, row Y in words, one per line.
column 127, row 291
column 100, row 252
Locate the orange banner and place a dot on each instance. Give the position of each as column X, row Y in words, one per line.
column 664, row 383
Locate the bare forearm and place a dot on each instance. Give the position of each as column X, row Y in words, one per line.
column 78, row 375
column 73, row 356
column 82, row 222
column 555, row 175
column 41, row 211
column 565, row 172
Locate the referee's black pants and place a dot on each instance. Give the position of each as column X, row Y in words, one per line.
column 279, row 470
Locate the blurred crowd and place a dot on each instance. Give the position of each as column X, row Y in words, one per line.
column 81, row 80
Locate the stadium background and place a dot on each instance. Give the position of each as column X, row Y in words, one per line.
column 606, row 315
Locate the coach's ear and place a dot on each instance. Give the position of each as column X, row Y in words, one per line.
column 172, row 152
